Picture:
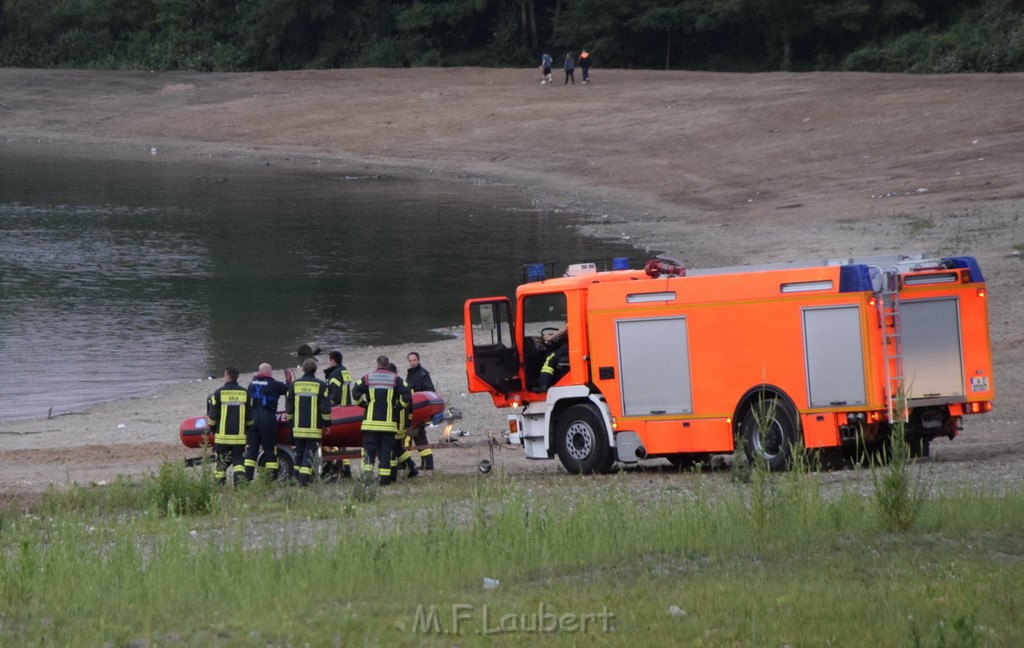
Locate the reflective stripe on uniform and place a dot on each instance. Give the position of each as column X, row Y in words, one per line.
column 234, row 416
column 306, row 418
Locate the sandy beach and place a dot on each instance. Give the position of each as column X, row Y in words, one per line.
column 713, row 169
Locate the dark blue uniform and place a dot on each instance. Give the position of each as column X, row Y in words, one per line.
column 265, row 392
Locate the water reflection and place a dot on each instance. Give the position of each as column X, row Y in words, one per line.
column 130, row 274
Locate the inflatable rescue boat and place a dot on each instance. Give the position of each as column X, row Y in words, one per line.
column 345, row 430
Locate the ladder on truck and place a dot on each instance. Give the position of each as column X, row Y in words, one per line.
column 892, row 344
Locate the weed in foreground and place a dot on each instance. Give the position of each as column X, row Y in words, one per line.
column 899, row 493
column 177, row 492
column 364, row 488
column 740, row 470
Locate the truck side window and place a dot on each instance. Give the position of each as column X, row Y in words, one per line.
column 492, row 325
column 543, row 312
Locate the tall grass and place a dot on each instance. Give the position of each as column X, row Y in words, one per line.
column 273, row 565
column 899, row 492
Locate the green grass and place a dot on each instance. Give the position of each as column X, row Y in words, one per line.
column 273, row 565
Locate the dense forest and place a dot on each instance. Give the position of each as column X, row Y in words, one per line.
column 736, row 35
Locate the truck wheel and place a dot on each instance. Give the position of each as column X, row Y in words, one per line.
column 769, row 432
column 582, row 442
column 285, row 463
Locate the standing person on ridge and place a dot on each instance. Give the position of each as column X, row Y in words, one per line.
column 545, row 68
column 419, row 380
column 308, row 410
column 229, row 417
column 384, row 394
column 265, row 393
column 570, row 66
column 585, row 64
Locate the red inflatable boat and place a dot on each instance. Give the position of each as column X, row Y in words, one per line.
column 346, row 424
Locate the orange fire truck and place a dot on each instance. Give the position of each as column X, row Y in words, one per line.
column 682, row 364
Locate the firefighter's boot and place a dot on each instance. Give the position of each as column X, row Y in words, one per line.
column 427, row 461
column 413, row 472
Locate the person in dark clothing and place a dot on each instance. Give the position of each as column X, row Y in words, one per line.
column 308, row 410
column 570, row 66
column 401, row 453
column 265, row 393
column 553, row 368
column 339, row 388
column 229, row 416
column 555, row 364
column 384, row 394
column 585, row 64
column 545, row 68
column 338, row 380
column 419, row 380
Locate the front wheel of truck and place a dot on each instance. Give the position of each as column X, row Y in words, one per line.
column 581, row 441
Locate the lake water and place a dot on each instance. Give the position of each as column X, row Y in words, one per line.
column 119, row 276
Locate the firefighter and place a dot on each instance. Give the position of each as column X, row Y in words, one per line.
column 401, row 453
column 265, row 393
column 339, row 387
column 308, row 410
column 418, row 379
column 229, row 416
column 382, row 392
column 554, row 366
column 338, row 380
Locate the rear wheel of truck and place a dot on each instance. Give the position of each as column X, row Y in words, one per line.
column 769, row 432
column 581, row 441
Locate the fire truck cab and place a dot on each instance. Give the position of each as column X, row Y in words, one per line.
column 682, row 364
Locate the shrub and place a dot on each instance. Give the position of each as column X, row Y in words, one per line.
column 177, row 492
column 899, row 494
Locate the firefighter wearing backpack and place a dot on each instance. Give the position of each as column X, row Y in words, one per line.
column 384, row 394
column 229, row 415
column 308, row 411
column 265, row 392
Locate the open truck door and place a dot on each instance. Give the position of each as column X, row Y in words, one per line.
column 492, row 357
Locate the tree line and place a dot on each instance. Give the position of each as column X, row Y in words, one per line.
column 727, row 35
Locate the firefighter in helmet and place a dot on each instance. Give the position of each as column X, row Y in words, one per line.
column 229, row 416
column 384, row 394
column 308, row 410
